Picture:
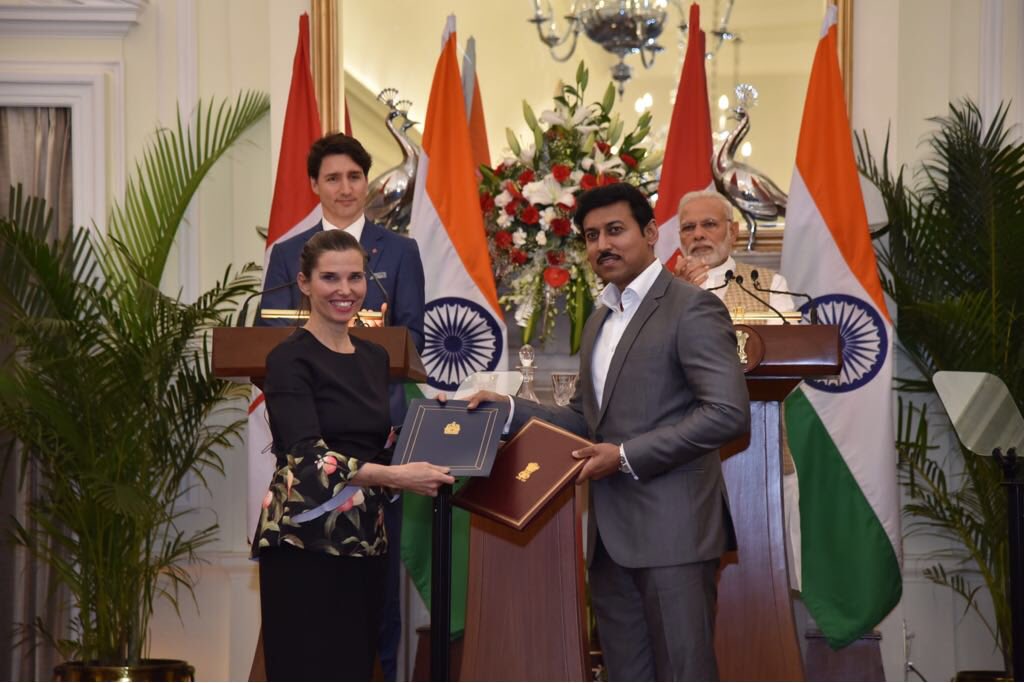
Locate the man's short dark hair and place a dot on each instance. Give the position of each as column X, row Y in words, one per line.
column 337, row 143
column 607, row 195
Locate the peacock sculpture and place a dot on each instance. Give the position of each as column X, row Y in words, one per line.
column 758, row 198
column 390, row 194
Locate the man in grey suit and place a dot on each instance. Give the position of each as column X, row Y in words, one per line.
column 661, row 389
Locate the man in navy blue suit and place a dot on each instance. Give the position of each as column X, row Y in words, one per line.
column 338, row 168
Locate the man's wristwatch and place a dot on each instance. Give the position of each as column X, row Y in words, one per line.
column 623, row 463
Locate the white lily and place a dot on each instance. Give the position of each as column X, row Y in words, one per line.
column 526, row 152
column 563, row 117
column 548, row 192
column 599, row 163
column 503, row 199
column 546, row 216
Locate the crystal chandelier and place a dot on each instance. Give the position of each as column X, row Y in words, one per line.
column 622, row 27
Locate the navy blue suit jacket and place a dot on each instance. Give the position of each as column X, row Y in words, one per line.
column 393, row 259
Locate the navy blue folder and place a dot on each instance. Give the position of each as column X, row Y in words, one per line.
column 451, row 436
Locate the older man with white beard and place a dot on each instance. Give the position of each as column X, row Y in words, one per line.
column 707, row 234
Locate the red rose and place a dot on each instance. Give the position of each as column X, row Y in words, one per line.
column 513, row 190
column 567, row 207
column 561, row 172
column 628, row 160
column 556, row 258
column 588, row 181
column 518, row 256
column 561, row 226
column 501, row 169
column 510, row 208
column 503, row 238
column 530, row 215
column 555, row 276
column 607, row 180
column 603, row 146
column 486, row 202
column 526, row 177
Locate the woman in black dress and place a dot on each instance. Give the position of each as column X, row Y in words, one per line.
column 321, row 555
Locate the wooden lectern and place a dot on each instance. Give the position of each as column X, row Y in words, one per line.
column 241, row 352
column 525, row 607
column 524, row 611
column 755, row 634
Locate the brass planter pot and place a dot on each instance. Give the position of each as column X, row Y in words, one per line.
column 146, row 670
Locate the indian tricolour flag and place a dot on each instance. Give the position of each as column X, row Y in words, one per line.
column 841, row 430
column 464, row 325
column 464, row 328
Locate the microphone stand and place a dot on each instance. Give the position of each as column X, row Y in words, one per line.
column 811, row 306
column 384, row 293
column 244, row 311
column 738, row 279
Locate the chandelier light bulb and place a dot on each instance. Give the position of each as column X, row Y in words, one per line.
column 723, row 102
column 746, row 149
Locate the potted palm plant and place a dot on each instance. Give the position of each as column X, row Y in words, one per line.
column 109, row 394
column 951, row 260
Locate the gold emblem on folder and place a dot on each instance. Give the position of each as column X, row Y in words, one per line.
column 530, row 469
column 741, row 345
column 452, row 428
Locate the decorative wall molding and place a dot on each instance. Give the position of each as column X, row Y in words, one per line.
column 75, row 18
column 186, row 33
column 990, row 61
column 94, row 91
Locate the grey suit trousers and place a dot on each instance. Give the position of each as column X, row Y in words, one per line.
column 655, row 623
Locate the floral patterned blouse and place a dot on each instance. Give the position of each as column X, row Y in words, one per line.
column 328, row 415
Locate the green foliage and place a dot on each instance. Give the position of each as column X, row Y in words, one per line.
column 955, row 238
column 109, row 391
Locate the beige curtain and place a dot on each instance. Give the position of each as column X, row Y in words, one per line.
column 35, row 150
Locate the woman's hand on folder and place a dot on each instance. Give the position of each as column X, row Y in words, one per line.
column 476, row 399
column 418, row 477
column 421, row 477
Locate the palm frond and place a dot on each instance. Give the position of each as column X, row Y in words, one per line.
column 954, row 241
column 109, row 389
column 157, row 195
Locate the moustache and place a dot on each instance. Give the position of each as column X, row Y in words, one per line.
column 606, row 256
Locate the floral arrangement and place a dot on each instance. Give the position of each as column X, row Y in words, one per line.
column 529, row 199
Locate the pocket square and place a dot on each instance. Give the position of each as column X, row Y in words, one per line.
column 381, row 275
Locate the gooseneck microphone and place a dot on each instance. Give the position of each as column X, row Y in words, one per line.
column 383, row 293
column 738, row 279
column 812, row 307
column 240, row 322
column 728, row 277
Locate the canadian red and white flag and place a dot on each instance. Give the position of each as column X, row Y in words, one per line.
column 294, row 209
column 688, row 149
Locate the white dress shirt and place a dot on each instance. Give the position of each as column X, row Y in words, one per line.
column 716, row 278
column 355, row 228
column 622, row 306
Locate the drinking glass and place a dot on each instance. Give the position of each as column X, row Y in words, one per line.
column 564, row 385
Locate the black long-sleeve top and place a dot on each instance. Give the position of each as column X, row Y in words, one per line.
column 328, row 415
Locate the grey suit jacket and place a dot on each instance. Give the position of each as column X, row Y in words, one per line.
column 674, row 394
